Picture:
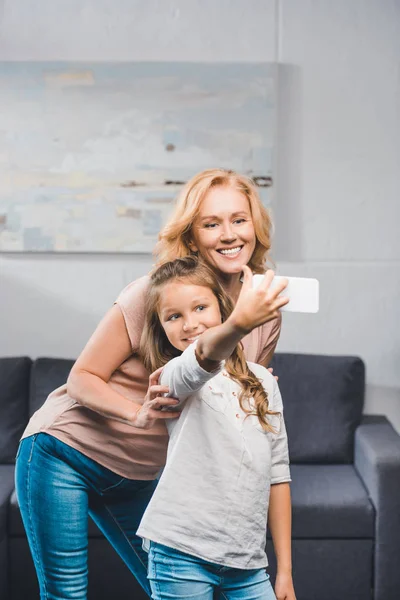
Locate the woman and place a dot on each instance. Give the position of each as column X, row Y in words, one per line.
column 227, row 454
column 97, row 444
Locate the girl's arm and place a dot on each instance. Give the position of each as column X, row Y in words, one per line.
column 184, row 374
column 254, row 307
column 280, row 509
column 280, row 525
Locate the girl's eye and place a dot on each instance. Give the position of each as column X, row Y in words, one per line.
column 200, row 308
column 173, row 317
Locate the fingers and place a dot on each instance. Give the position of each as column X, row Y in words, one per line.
column 277, row 288
column 159, row 402
column 159, row 408
column 157, row 390
column 266, row 282
column 281, row 301
column 165, row 414
column 247, row 277
column 168, row 401
column 280, row 286
column 157, row 372
column 153, row 378
column 270, row 369
column 273, row 294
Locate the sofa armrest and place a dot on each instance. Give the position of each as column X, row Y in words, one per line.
column 6, row 489
column 377, row 460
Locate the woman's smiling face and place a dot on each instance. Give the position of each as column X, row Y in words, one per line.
column 223, row 231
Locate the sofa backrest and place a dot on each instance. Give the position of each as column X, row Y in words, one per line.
column 323, row 399
column 14, row 391
column 47, row 374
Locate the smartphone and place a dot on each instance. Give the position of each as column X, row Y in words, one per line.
column 303, row 293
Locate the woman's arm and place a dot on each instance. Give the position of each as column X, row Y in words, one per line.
column 270, row 335
column 106, row 350
column 280, row 525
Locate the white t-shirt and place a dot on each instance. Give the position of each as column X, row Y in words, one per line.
column 212, row 498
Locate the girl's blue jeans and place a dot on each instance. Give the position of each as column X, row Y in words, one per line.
column 175, row 575
column 57, row 487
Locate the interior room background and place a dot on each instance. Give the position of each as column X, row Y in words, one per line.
column 336, row 165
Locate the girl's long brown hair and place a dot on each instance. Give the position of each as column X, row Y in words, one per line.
column 156, row 350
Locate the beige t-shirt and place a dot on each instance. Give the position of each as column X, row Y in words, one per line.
column 128, row 451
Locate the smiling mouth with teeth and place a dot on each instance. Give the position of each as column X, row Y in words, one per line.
column 192, row 339
column 230, row 251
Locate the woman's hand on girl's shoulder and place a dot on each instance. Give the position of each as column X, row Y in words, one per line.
column 272, row 373
column 154, row 403
column 256, row 306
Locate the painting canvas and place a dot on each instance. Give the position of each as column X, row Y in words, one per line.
column 92, row 156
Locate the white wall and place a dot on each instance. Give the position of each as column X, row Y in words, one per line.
column 340, row 181
column 338, row 164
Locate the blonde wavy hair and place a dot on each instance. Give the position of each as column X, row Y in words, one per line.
column 175, row 237
column 156, row 350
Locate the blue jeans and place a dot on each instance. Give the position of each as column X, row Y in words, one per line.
column 57, row 487
column 176, row 575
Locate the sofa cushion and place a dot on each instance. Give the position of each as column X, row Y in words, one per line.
column 14, row 386
column 323, row 399
column 47, row 375
column 331, row 569
column 6, row 488
column 329, row 501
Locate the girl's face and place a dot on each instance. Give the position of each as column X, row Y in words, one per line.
column 223, row 231
column 186, row 311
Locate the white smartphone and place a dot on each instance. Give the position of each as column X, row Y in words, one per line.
column 303, row 293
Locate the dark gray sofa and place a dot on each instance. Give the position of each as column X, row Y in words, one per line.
column 345, row 488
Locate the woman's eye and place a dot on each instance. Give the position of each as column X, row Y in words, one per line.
column 173, row 317
column 239, row 221
column 210, row 225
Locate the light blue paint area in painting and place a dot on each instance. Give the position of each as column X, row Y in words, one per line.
column 135, row 197
column 264, row 195
column 45, row 198
column 13, row 223
column 34, row 239
column 152, row 222
column 173, row 135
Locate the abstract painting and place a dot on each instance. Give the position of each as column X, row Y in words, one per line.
column 92, row 156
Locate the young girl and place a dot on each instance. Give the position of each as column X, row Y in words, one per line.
column 207, row 519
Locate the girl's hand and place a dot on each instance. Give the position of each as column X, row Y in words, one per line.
column 284, row 589
column 256, row 306
column 154, row 401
